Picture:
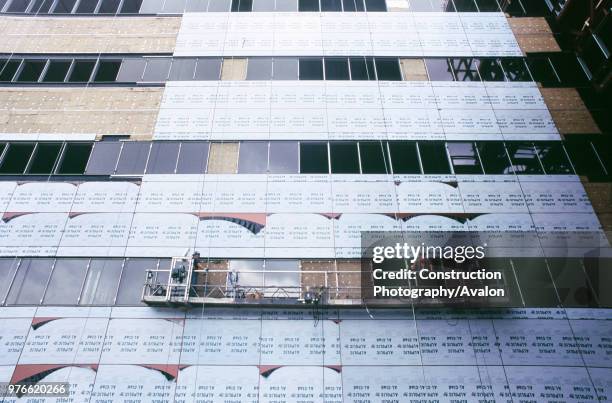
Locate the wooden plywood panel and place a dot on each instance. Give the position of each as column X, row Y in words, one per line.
column 533, row 34
column 223, row 158
column 600, row 195
column 413, row 70
column 349, row 279
column 311, row 280
column 568, row 111
column 88, row 35
column 234, row 69
column 99, row 111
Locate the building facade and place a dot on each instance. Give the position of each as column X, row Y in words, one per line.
column 267, row 136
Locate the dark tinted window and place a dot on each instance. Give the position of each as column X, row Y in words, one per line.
column 494, row 158
column 62, row 291
column 30, row 70
column 465, row 5
column 242, row 5
column 542, row 70
column 86, row 6
column 283, row 157
column 434, row 158
column 74, row 158
column 192, row 158
column 534, row 280
column 108, row 6
column 374, row 157
column 313, row 158
column 464, row 158
column 102, row 281
column 44, row 158
column 404, row 157
column 133, row 273
column 8, row 70
column 41, row 6
column 488, row 6
column 344, row 158
column 524, row 158
column 107, row 70
column 8, row 267
column 103, row 158
column 308, row 5
column 490, row 70
column 130, row 6
column 375, row 5
column 515, row 69
column 259, row 68
column 603, row 147
column 439, row 70
column 16, row 158
column 571, row 282
column 63, row 6
column 583, row 157
column 388, row 69
column 30, row 281
column 568, row 69
column 336, row 68
column 182, row 69
column 81, row 71
column 466, row 69
column 18, row 6
column 331, row 5
column 311, row 69
column 553, row 158
column 362, row 68
column 163, row 157
column 208, row 69
column 56, row 71
column 157, row 69
column 442, row 5
column 133, row 158
column 253, row 157
column 353, row 5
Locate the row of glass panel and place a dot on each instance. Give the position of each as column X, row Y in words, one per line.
column 554, row 69
column 108, row 282
column 111, row 7
column 306, row 157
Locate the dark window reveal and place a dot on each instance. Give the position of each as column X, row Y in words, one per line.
column 494, row 158
column 16, row 158
column 388, row 69
column 31, row 70
column 107, row 71
column 553, row 158
column 311, row 69
column 74, row 159
column 362, row 68
column 81, row 71
column 313, row 158
column 44, row 158
column 344, row 158
column 8, row 69
column 56, row 71
column 404, row 157
column 336, row 68
column 308, row 5
column 374, row 157
column 434, row 158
